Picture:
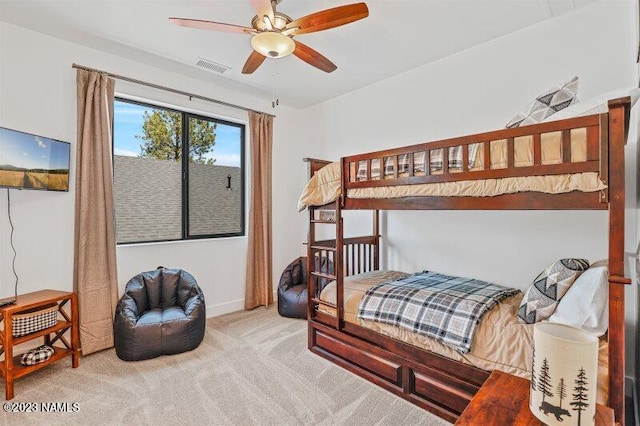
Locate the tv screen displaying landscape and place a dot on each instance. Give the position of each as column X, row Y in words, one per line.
column 33, row 162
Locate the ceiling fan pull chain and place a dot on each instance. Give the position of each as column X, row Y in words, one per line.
column 275, row 94
column 277, row 84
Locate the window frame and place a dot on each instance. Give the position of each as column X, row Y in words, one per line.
column 186, row 115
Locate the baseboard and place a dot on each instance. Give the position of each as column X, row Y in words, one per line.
column 225, row 308
column 229, row 307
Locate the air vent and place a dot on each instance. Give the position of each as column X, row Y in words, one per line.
column 211, row 66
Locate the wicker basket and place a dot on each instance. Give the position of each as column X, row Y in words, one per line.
column 34, row 320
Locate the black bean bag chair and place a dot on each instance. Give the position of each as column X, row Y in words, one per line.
column 162, row 312
column 292, row 289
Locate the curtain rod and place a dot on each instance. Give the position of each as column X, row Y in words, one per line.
column 168, row 89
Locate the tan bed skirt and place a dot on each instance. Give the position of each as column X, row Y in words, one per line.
column 500, row 343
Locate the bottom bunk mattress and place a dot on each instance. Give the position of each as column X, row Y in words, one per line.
column 500, row 341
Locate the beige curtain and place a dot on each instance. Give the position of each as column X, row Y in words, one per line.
column 259, row 287
column 94, row 273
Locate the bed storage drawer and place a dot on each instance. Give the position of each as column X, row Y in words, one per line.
column 437, row 384
column 440, row 388
column 360, row 357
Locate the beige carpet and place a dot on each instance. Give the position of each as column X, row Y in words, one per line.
column 252, row 368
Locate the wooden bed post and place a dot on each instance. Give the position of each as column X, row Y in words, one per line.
column 313, row 165
column 618, row 113
column 376, row 234
column 311, row 288
column 338, row 265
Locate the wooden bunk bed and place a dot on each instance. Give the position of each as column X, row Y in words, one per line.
column 434, row 382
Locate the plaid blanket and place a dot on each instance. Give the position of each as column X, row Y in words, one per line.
column 445, row 308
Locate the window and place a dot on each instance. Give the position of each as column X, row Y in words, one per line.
column 177, row 175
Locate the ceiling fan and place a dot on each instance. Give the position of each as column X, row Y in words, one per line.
column 272, row 32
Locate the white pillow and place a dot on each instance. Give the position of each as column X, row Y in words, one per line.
column 586, row 304
column 595, row 105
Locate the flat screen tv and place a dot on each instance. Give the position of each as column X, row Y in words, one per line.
column 33, row 162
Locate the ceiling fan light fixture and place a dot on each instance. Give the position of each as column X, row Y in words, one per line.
column 273, row 44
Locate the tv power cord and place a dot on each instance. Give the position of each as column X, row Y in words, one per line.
column 15, row 254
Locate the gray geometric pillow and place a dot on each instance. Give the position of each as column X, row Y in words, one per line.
column 542, row 298
column 548, row 103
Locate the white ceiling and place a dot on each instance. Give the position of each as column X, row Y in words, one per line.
column 397, row 36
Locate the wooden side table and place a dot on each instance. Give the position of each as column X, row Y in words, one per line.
column 11, row 368
column 504, row 400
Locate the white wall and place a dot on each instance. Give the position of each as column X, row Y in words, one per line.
column 38, row 95
column 477, row 90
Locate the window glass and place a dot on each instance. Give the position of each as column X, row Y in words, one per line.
column 160, row 197
column 215, row 178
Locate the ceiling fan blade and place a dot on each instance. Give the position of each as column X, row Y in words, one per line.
column 262, row 8
column 253, row 62
column 330, row 18
column 210, row 25
column 314, row 58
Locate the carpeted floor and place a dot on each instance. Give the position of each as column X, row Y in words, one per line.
column 252, row 368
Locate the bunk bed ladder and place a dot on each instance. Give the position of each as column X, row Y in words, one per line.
column 318, row 269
